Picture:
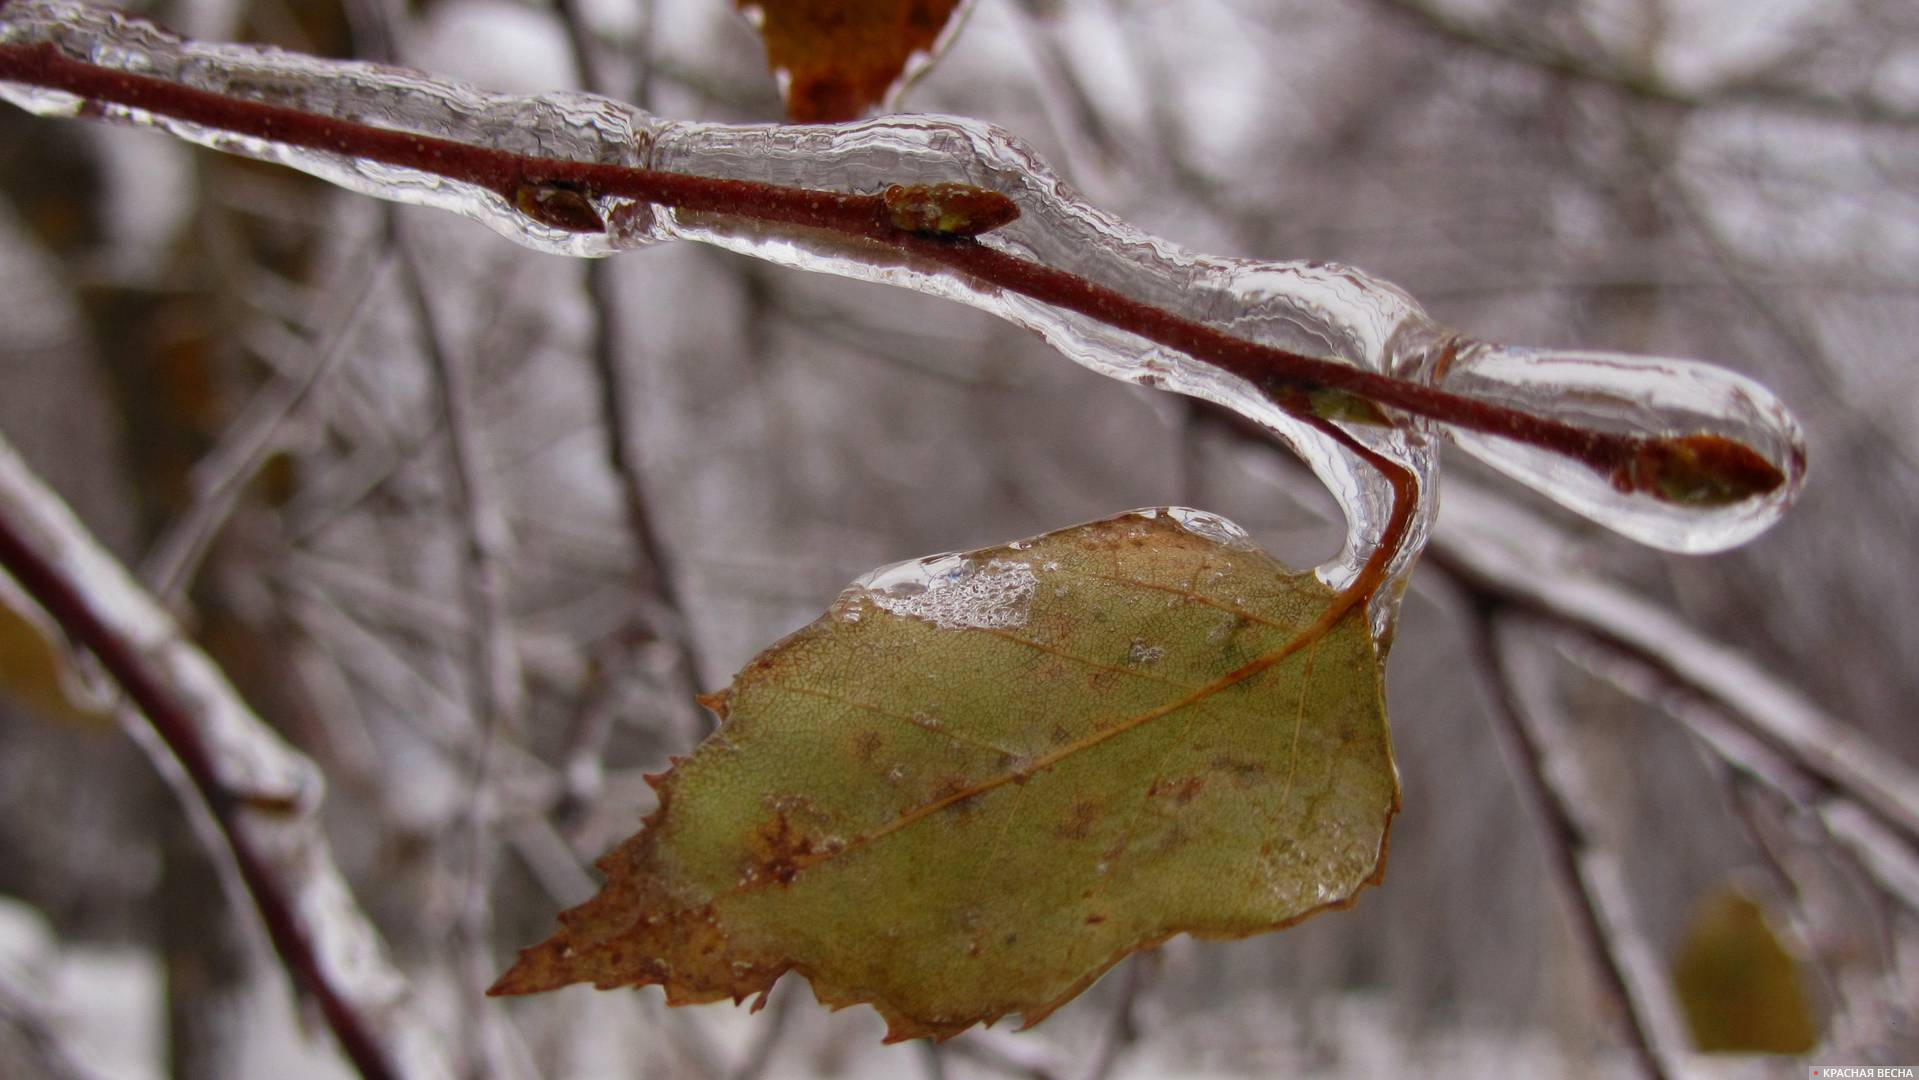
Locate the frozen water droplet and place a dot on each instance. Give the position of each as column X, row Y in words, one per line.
column 1211, row 526
column 1646, row 396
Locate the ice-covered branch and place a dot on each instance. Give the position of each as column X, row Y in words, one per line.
column 1500, row 552
column 263, row 794
column 1679, row 455
column 1555, row 789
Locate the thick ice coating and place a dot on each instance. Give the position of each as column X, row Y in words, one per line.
column 1317, row 309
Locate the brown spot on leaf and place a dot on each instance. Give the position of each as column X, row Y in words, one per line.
column 1180, row 789
column 1079, row 820
column 952, row 792
column 782, row 845
column 708, row 929
column 1244, row 772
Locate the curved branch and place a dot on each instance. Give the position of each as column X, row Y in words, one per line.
column 1495, row 559
column 1587, row 874
column 557, row 193
column 263, row 794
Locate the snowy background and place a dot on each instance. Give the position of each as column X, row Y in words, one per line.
column 1737, row 182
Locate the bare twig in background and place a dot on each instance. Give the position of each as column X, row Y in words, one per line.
column 772, row 1027
column 497, row 688
column 1854, row 842
column 246, row 444
column 1837, row 754
column 1878, row 849
column 1009, row 1055
column 932, row 1059
column 619, row 411
column 1587, row 874
column 1124, row 1028
column 1645, row 84
column 262, row 793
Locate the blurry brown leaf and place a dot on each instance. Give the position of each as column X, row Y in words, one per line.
column 33, row 664
column 1740, row 989
column 979, row 781
column 838, row 58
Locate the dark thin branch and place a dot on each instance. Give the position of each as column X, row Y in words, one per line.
column 499, row 693
column 496, row 683
column 619, row 408
column 1643, row 85
column 45, row 550
column 1764, row 708
column 932, row 1059
column 1889, row 860
column 222, row 475
column 555, row 191
column 1572, row 854
column 772, row 1024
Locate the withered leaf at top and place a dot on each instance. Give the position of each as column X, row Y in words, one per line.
column 979, row 781
column 838, row 58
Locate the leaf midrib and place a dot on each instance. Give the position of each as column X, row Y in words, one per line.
column 1343, row 604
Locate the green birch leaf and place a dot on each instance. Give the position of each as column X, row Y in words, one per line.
column 979, row 781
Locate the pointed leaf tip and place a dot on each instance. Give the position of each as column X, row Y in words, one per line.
column 980, row 781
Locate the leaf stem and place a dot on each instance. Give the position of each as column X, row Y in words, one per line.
column 1693, row 469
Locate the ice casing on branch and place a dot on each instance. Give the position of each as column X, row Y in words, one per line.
column 1316, row 309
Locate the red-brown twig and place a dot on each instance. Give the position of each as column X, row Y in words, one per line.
column 1630, row 462
column 45, row 551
